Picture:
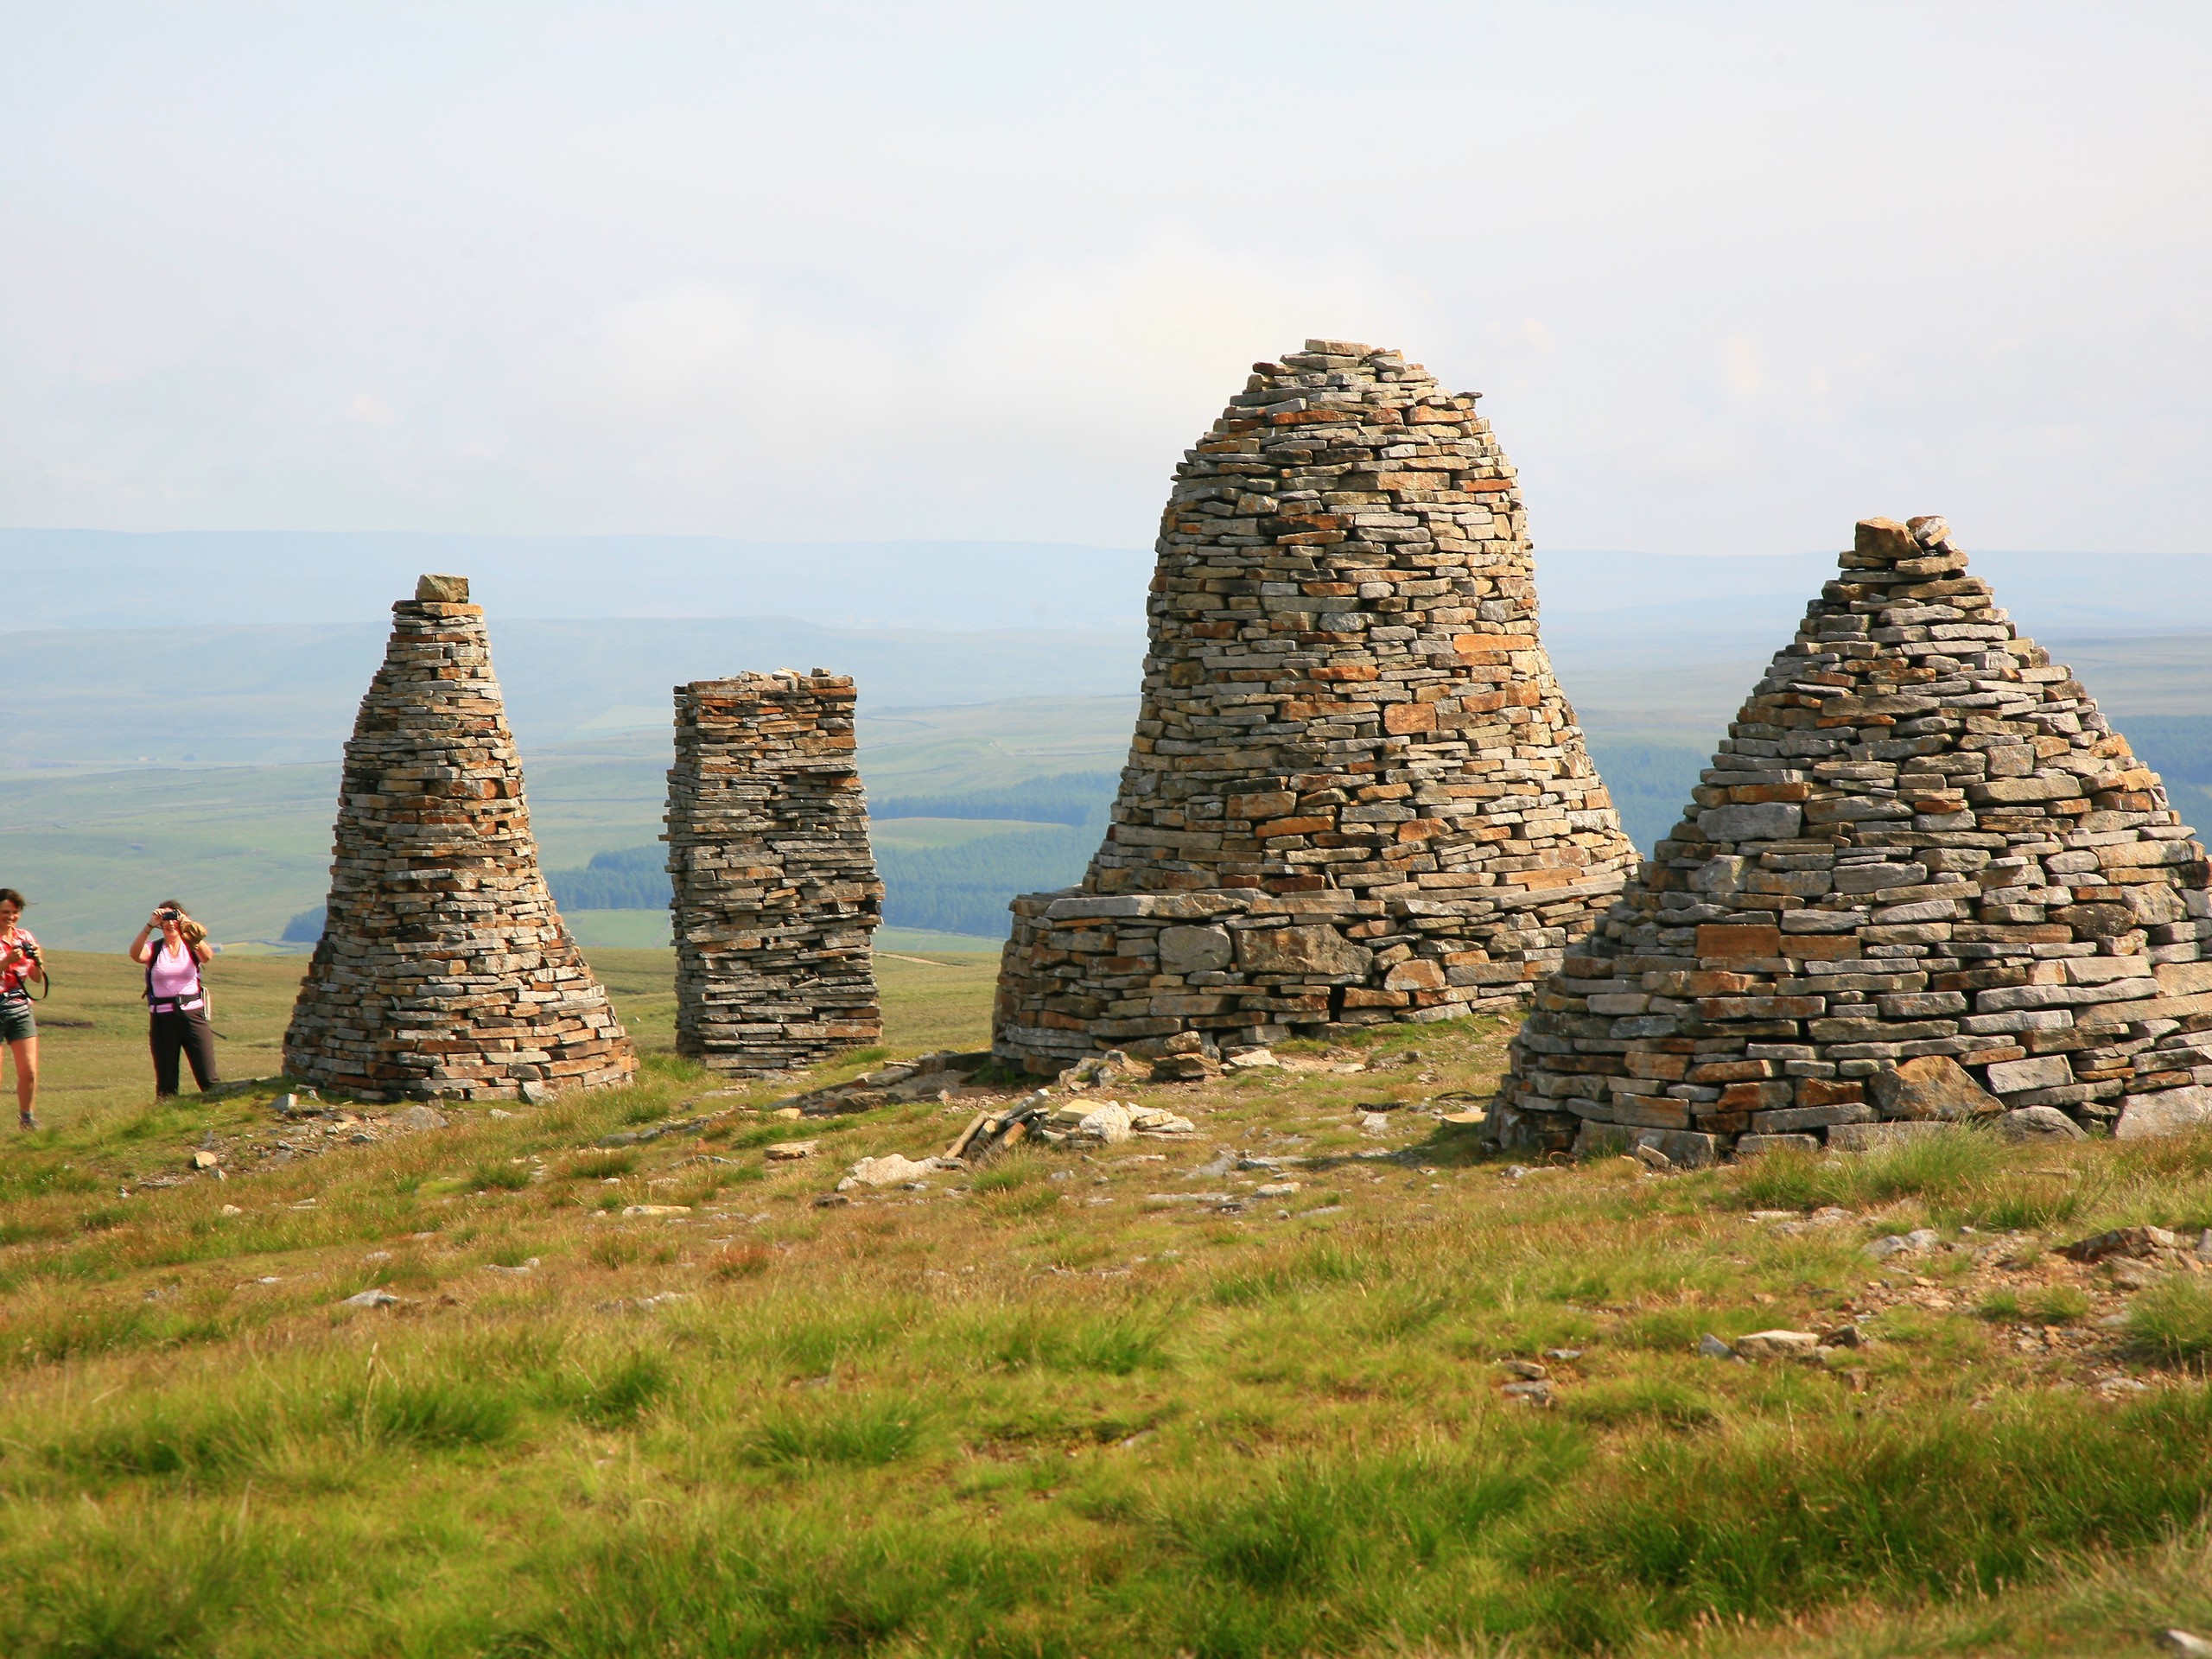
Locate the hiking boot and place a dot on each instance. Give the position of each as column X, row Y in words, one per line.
column 30, row 1121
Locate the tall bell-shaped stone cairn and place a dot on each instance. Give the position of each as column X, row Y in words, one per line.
column 773, row 884
column 444, row 969
column 1354, row 792
column 1924, row 880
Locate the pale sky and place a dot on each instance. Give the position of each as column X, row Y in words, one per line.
column 1729, row 276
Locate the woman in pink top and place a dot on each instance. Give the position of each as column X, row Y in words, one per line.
column 176, row 1000
column 20, row 969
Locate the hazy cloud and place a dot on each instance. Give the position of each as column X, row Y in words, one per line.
column 1730, row 275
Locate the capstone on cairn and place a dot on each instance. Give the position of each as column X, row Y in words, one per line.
column 1354, row 792
column 1922, row 882
column 443, row 968
column 776, row 898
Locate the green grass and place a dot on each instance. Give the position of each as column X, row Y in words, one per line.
column 1033, row 1409
column 2172, row 1321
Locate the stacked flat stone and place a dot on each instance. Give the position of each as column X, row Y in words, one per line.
column 776, row 897
column 1923, row 879
column 443, row 969
column 1354, row 792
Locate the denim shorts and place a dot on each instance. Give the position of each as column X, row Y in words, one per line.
column 16, row 1020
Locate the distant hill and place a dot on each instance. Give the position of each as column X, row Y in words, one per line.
column 200, row 756
column 277, row 693
column 104, row 579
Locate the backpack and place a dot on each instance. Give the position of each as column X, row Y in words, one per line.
column 206, row 1009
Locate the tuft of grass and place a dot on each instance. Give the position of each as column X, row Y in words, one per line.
column 503, row 1177
column 1952, row 1165
column 613, row 1394
column 741, row 1261
column 1022, row 1203
column 867, row 1435
column 613, row 1248
column 2172, row 1321
column 1314, row 1525
column 1115, row 1345
column 1663, row 1400
column 1315, row 1267
column 438, row 1413
column 1006, row 1174
column 2047, row 1304
column 600, row 1164
column 1777, row 1519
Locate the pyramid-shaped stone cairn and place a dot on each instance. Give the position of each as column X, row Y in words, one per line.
column 444, row 969
column 1924, row 880
column 1354, row 792
column 776, row 898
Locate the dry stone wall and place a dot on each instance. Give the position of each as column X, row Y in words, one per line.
column 776, row 896
column 1924, row 880
column 443, row 968
column 1354, row 791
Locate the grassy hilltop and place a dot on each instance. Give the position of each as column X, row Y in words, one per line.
column 1246, row 1393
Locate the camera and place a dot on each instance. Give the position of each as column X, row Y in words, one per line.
column 172, row 915
column 30, row 950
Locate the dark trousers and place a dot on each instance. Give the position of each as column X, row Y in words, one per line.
column 187, row 1033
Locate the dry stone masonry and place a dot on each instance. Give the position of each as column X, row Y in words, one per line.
column 776, row 895
column 1354, row 792
column 1924, row 880
column 443, row 968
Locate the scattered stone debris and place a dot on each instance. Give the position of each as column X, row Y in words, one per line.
column 1922, row 882
column 419, row 1117
column 1711, row 1347
column 891, row 1170
column 443, row 968
column 370, row 1298
column 496, row 1267
column 927, row 1077
column 663, row 1131
column 2137, row 1257
column 642, row 1304
column 1356, row 793
column 1776, row 1345
column 1919, row 1239
column 789, row 1151
column 650, row 1209
column 2187, row 1643
column 775, row 891
column 1111, row 1121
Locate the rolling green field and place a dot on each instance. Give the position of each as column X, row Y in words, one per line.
column 247, row 847
column 1319, row 1378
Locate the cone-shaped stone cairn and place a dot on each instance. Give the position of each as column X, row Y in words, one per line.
column 1354, row 792
column 775, row 891
column 1922, row 881
column 444, row 969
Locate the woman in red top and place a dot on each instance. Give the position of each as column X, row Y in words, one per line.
column 19, row 968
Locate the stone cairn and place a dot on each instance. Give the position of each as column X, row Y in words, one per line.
column 1354, row 792
column 443, row 968
column 775, row 891
column 1922, row 881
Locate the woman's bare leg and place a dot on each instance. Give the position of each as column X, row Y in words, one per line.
column 25, row 1049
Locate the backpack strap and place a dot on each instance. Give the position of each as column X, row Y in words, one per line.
column 175, row 1004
